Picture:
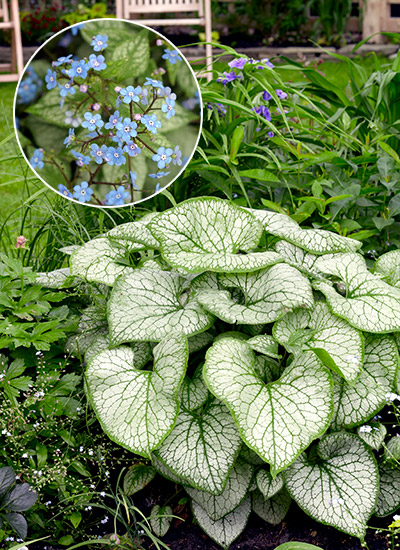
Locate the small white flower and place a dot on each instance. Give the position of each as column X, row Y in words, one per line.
column 2, row 376
column 88, row 508
column 90, row 452
column 366, row 429
column 81, row 449
column 92, row 486
column 25, row 455
column 390, row 397
column 47, row 503
column 107, row 473
column 396, row 518
column 102, row 494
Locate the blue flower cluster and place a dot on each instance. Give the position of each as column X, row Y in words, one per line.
column 29, row 87
column 239, row 63
column 115, row 134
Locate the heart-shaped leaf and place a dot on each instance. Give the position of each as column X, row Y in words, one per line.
column 274, row 509
column 194, row 392
column 207, row 234
column 165, row 471
column 337, row 344
column 101, row 261
column 299, row 258
column 392, row 449
column 387, row 266
column 135, row 232
column 160, row 519
column 226, row 530
column 137, row 477
column 268, row 485
column 265, row 344
column 370, row 304
column 202, row 447
column 389, row 492
column 235, row 491
column 277, row 420
column 339, row 486
column 136, row 408
column 316, row 241
column 21, row 498
column 373, row 434
column 59, row 278
column 357, row 403
column 268, row 294
column 147, row 305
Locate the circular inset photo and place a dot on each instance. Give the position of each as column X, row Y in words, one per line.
column 108, row 112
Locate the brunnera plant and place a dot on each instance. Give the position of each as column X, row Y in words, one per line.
column 243, row 356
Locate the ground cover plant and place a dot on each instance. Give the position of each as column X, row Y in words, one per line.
column 127, row 134
column 248, row 359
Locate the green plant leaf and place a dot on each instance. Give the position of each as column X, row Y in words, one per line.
column 137, row 477
column 268, row 295
column 199, row 341
column 389, row 492
column 274, row 509
column 226, row 530
column 265, row 344
column 21, row 498
column 341, row 487
column 370, row 304
column 293, row 545
column 136, row 51
column 337, row 344
column 392, row 449
column 373, row 434
column 136, row 408
column 202, row 447
column 7, row 478
column 135, row 232
column 234, row 493
column 18, row 523
column 277, row 420
column 357, row 403
column 160, row 519
column 147, row 305
column 59, row 278
column 388, row 267
column 101, row 261
column 299, row 258
column 268, row 485
column 316, row 241
column 206, row 234
column 193, row 392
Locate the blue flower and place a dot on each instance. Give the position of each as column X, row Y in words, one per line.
column 263, row 111
column 99, row 42
column 126, row 129
column 267, row 63
column 270, row 134
column 92, row 121
column 168, row 107
column 66, row 89
column 132, row 149
column 162, row 157
column 79, row 68
column 81, row 160
column 130, row 94
column 227, row 77
column 64, row 191
column 118, row 139
column 281, row 94
column 76, row 28
column 172, row 56
column 117, row 197
column 238, row 63
column 266, row 96
column 177, row 156
column 113, row 120
column 158, row 187
column 51, row 79
column 115, row 156
column 151, row 123
column 83, row 192
column 158, row 175
column 154, row 83
column 70, row 137
column 133, row 178
column 97, row 62
column 37, row 159
column 62, row 60
column 100, row 153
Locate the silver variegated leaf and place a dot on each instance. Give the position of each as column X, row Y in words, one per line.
column 388, row 267
column 160, row 519
column 202, row 447
column 316, row 241
column 218, row 506
column 265, row 344
column 59, row 278
column 207, row 234
column 137, row 477
column 356, row 403
column 135, row 232
column 101, row 261
column 277, row 420
column 268, row 295
column 268, row 485
column 226, row 530
column 373, row 434
column 199, row 341
column 274, row 509
column 147, row 305
column 341, row 487
column 389, row 492
column 92, row 326
column 165, row 471
column 392, row 449
column 136, row 408
column 369, row 303
column 299, row 258
column 337, row 344
column 193, row 393
column 99, row 344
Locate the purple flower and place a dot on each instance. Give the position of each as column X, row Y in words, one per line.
column 227, row 77
column 64, row 191
column 262, row 110
column 281, row 94
column 266, row 96
column 270, row 134
column 238, row 63
column 266, row 63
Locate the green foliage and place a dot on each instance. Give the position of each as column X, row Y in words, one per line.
column 15, row 498
column 273, row 365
